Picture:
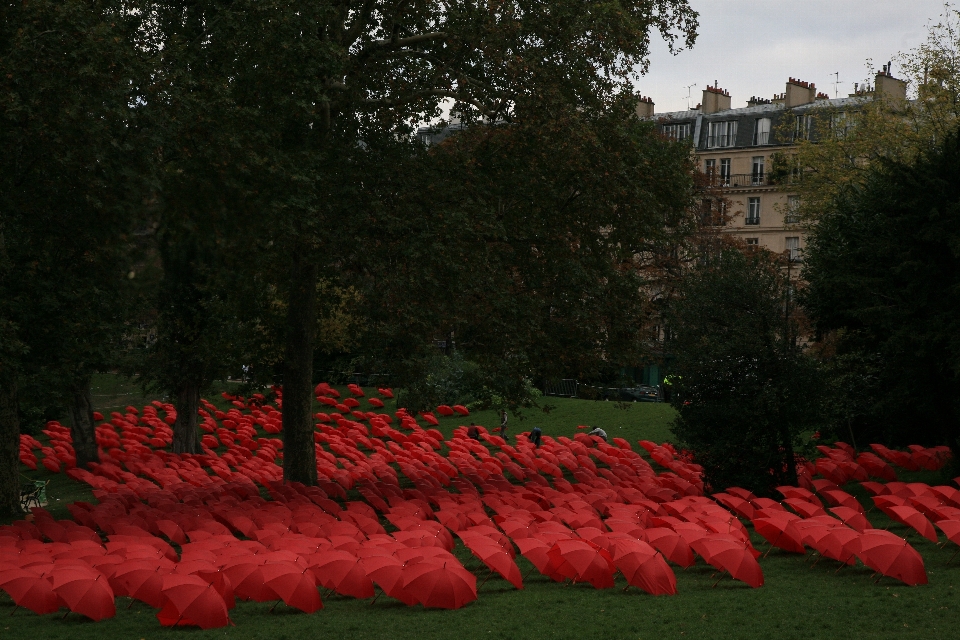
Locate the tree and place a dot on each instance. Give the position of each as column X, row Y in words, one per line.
column 744, row 390
column 280, row 103
column 537, row 244
column 68, row 176
column 882, row 263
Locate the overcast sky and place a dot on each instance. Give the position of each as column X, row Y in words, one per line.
column 751, row 47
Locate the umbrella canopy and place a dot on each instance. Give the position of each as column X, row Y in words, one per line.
column 492, row 554
column 142, row 579
column 780, row 530
column 440, row 585
column 852, row 518
column 673, row 547
column 31, row 590
column 387, row 572
column 342, row 572
column 189, row 600
column 295, row 586
column 892, row 556
column 731, row 555
column 84, row 591
column 582, row 561
column 915, row 520
column 644, row 567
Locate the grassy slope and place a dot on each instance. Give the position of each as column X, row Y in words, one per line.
column 798, row 601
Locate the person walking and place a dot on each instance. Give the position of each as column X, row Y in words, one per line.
column 503, row 424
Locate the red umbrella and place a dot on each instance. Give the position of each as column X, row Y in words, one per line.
column 892, row 556
column 387, row 572
column 840, row 544
column 915, row 520
column 582, row 561
column 780, row 530
column 492, row 554
column 30, row 590
column 189, row 600
column 644, row 567
column 342, row 572
column 142, row 579
column 852, row 517
column 295, row 586
column 731, row 555
column 673, row 547
column 85, row 591
column 247, row 580
column 444, row 585
column 535, row 550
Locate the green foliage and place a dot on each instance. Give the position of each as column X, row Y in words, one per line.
column 745, row 392
column 882, row 265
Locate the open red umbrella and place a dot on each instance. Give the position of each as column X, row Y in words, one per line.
column 644, row 567
column 780, row 530
column 673, row 547
column 189, row 600
column 31, row 590
column 731, row 555
column 247, row 580
column 295, row 586
column 892, row 556
column 444, row 585
column 535, row 550
column 582, row 561
column 852, row 518
column 387, row 572
column 915, row 520
column 85, row 591
column 492, row 554
column 142, row 579
column 840, row 544
column 342, row 572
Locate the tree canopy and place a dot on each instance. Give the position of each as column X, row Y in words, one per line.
column 744, row 389
column 882, row 264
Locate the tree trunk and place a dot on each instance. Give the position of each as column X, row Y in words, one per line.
column 81, row 423
column 9, row 451
column 185, row 437
column 299, row 457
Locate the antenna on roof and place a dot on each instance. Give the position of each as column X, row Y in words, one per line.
column 836, row 83
column 689, row 86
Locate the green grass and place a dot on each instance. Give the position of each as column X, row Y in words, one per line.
column 797, row 601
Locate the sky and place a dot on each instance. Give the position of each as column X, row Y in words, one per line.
column 751, row 47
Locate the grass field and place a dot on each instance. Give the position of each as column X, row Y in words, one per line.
column 798, row 600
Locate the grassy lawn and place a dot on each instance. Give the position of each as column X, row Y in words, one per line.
column 798, row 600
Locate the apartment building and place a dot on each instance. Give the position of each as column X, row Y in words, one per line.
column 735, row 150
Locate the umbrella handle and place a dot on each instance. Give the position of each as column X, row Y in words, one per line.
column 718, row 581
column 377, row 596
column 14, row 609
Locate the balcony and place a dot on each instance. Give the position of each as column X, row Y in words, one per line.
column 752, row 220
column 738, row 180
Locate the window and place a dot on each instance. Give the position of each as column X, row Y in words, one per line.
column 725, row 172
column 752, row 243
column 722, row 134
column 761, row 131
column 677, row 131
column 713, row 212
column 792, row 246
column 802, row 127
column 753, row 211
column 710, row 168
column 842, row 123
column 793, row 210
column 757, row 170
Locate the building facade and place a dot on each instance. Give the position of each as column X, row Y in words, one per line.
column 735, row 150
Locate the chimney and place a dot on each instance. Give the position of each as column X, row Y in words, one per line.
column 799, row 92
column 715, row 99
column 645, row 107
column 755, row 101
column 889, row 88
